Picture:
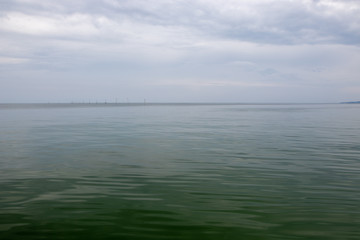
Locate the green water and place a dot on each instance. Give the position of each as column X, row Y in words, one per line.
column 112, row 171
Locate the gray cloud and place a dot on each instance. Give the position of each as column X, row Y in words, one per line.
column 289, row 22
column 180, row 50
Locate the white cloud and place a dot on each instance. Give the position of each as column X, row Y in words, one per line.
column 11, row 60
column 76, row 24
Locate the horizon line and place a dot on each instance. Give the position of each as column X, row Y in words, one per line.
column 175, row 103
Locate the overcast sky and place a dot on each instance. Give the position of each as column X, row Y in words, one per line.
column 179, row 51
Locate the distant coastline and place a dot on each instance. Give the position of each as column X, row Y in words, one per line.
column 354, row 102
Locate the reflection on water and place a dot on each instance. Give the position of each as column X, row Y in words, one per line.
column 180, row 172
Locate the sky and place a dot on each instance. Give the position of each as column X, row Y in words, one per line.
column 258, row 51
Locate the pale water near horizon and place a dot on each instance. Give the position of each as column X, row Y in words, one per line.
column 179, row 171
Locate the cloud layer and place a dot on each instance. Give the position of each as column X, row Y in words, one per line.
column 242, row 51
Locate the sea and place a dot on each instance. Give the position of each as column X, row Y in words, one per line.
column 180, row 171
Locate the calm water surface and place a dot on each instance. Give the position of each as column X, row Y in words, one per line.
column 179, row 171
